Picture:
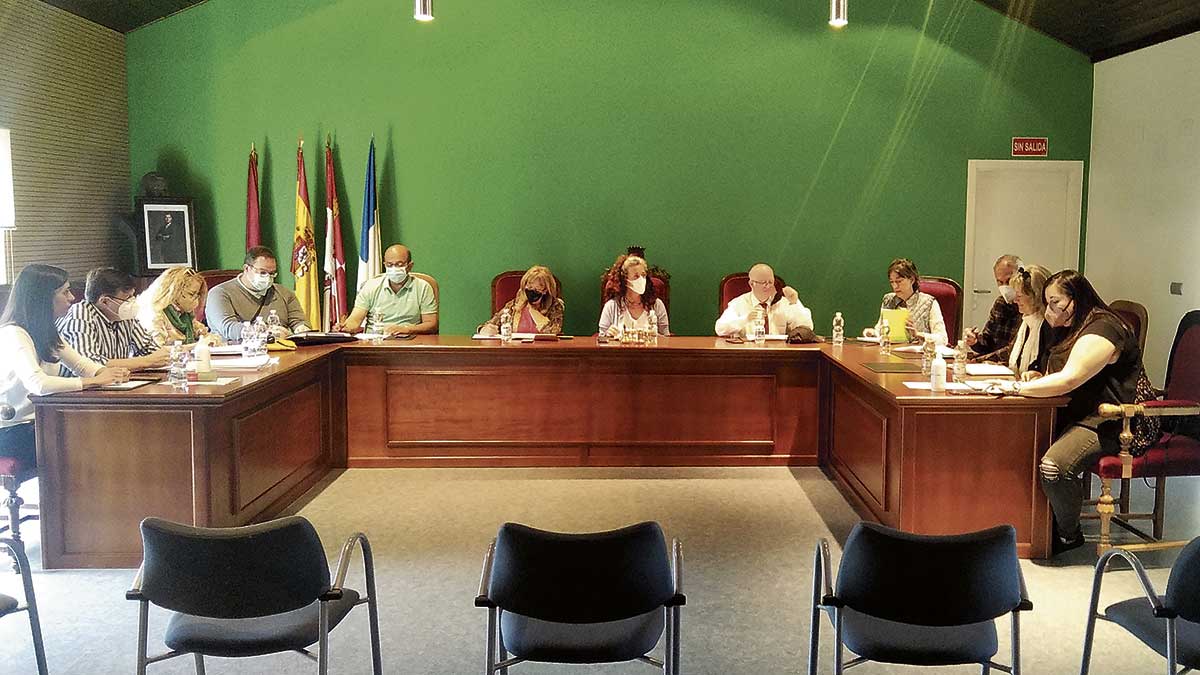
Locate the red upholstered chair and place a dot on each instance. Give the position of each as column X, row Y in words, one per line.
column 1133, row 314
column 948, row 294
column 13, row 472
column 737, row 284
column 1173, row 455
column 212, row 278
column 662, row 291
column 506, row 285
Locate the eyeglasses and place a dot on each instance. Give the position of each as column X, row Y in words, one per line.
column 762, row 284
column 392, row 266
column 262, row 271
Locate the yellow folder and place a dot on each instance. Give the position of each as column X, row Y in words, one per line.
column 896, row 318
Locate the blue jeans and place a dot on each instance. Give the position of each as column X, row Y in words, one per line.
column 20, row 442
column 1074, row 452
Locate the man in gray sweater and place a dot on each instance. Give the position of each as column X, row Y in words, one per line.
column 252, row 294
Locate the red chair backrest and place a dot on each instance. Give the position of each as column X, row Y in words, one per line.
column 948, row 294
column 506, row 285
column 1134, row 315
column 212, row 278
column 737, row 284
column 1183, row 368
column 662, row 291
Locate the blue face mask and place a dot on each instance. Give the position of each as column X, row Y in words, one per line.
column 396, row 275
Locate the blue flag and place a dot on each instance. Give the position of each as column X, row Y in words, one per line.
column 370, row 253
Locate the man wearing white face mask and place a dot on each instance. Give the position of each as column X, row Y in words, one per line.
column 1005, row 317
column 781, row 307
column 251, row 295
column 104, row 327
column 402, row 303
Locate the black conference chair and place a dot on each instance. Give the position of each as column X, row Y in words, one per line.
column 12, row 605
column 247, row 591
column 600, row 597
column 920, row 600
column 1169, row 624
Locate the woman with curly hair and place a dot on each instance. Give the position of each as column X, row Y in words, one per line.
column 629, row 298
column 167, row 309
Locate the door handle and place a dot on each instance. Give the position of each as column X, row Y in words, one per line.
column 984, row 292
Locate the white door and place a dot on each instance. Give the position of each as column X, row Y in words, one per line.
column 1029, row 208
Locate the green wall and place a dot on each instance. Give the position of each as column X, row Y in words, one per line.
column 713, row 132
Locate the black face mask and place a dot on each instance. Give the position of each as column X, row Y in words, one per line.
column 533, row 296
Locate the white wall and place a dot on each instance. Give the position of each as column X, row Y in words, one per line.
column 1143, row 222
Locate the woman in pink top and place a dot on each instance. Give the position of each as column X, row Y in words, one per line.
column 537, row 308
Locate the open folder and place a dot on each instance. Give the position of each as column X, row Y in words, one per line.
column 897, row 319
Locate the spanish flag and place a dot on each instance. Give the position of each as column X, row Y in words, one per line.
column 304, row 250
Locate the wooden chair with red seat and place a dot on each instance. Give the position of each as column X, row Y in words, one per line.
column 436, row 291
column 13, row 472
column 948, row 294
column 212, row 278
column 1133, row 314
column 1172, row 455
column 505, row 286
column 736, row 284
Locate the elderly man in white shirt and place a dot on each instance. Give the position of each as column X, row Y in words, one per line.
column 784, row 311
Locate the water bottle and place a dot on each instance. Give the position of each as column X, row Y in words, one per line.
column 505, row 326
column 839, row 330
column 260, row 336
column 885, row 338
column 960, row 361
column 928, row 351
column 937, row 373
column 177, row 375
column 273, row 323
column 760, row 327
column 247, row 340
column 652, row 334
column 202, row 354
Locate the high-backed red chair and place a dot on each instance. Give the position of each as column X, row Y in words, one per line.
column 948, row 294
column 662, row 290
column 1133, row 314
column 212, row 278
column 505, row 286
column 1173, row 455
column 737, row 284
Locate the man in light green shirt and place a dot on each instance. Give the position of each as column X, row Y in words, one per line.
column 401, row 302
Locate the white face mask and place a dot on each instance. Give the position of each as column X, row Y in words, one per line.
column 396, row 275
column 1008, row 293
column 260, row 282
column 127, row 311
column 638, row 285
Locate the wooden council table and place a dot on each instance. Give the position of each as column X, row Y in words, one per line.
column 244, row 452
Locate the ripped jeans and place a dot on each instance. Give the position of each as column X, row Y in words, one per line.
column 1064, row 463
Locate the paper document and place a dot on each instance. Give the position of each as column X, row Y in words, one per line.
column 219, row 382
column 243, row 363
column 131, row 384
column 950, row 386
column 897, row 319
column 991, row 369
column 946, row 352
column 226, row 350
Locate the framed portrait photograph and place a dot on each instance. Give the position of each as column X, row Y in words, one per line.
column 166, row 233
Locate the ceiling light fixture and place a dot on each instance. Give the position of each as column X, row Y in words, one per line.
column 423, row 10
column 837, row 13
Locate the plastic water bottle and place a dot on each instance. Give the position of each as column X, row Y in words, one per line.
column 760, row 327
column 260, row 335
column 960, row 361
column 248, row 348
column 273, row 323
column 885, row 338
column 505, row 326
column 839, row 330
column 652, row 334
column 928, row 351
column 937, row 373
column 177, row 374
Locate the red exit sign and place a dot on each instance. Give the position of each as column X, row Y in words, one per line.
column 1030, row 146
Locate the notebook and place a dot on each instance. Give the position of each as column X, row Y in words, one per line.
column 896, row 319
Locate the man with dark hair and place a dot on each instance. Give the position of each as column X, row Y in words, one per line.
column 104, row 327
column 253, row 294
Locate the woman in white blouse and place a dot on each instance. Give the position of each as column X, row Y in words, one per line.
column 1033, row 338
column 31, row 352
column 630, row 299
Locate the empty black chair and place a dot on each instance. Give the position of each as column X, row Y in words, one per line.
column 920, row 600
column 600, row 597
column 247, row 591
column 1169, row 624
column 12, row 605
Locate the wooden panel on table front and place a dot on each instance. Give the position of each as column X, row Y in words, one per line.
column 859, row 438
column 274, row 442
column 682, row 409
column 115, row 468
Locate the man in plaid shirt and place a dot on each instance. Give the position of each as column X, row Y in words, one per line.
column 1004, row 318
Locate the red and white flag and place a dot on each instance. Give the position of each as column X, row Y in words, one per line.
column 335, row 259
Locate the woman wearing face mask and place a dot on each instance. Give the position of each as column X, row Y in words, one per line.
column 537, row 308
column 31, row 353
column 924, row 313
column 167, row 309
column 1034, row 336
column 630, row 299
column 1095, row 359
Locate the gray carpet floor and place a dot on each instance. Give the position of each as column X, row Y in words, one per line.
column 748, row 538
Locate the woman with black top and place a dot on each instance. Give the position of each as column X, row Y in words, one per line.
column 1095, row 359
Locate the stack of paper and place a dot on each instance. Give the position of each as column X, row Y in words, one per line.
column 242, row 363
